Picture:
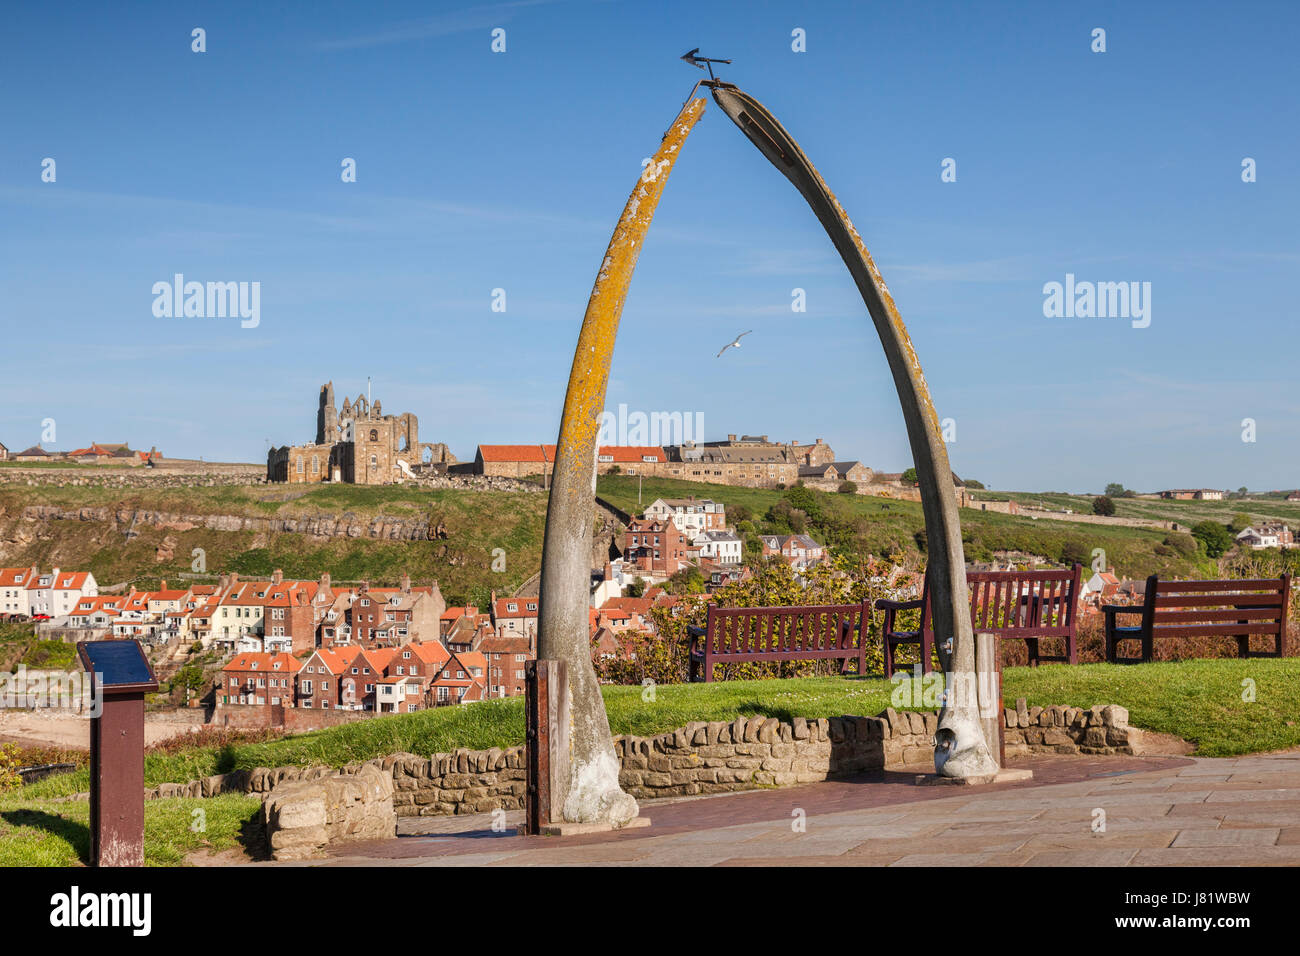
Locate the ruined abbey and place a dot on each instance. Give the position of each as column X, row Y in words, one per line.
column 359, row 445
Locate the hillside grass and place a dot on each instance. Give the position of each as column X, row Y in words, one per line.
column 476, row 523
column 891, row 526
column 1185, row 513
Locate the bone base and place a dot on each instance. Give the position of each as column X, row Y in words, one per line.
column 578, row 829
column 1002, row 776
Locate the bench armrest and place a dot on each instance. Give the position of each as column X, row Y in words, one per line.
column 884, row 604
column 696, row 650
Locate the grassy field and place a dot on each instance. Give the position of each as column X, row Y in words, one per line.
column 1186, row 513
column 883, row 526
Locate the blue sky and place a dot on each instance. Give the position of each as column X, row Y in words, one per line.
column 479, row 170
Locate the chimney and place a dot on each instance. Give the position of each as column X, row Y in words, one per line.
column 365, row 586
column 234, row 579
column 162, row 585
column 405, row 583
column 223, row 582
column 325, row 581
column 277, row 576
column 819, row 441
column 609, row 571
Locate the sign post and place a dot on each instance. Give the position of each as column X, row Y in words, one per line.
column 121, row 676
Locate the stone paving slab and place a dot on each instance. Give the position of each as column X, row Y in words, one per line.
column 1160, row 811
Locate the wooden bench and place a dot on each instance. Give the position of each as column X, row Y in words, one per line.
column 1014, row 605
column 1237, row 609
column 754, row 634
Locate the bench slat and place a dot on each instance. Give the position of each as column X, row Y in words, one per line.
column 1243, row 584
column 1219, row 600
column 1211, row 630
column 1227, row 615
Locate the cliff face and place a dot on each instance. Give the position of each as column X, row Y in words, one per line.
column 461, row 545
column 347, row 525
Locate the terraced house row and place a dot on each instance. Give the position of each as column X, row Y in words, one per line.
column 382, row 680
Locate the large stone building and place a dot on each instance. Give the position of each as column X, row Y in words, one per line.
column 359, row 445
column 750, row 460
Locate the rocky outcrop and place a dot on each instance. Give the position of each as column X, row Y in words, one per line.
column 347, row 525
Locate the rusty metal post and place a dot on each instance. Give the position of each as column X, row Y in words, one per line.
column 546, row 688
column 593, row 794
column 961, row 748
column 120, row 676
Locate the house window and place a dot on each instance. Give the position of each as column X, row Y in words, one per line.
column 315, row 465
column 300, row 464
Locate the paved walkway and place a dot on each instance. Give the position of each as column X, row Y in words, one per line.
column 1158, row 811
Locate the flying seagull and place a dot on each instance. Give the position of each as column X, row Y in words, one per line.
column 735, row 344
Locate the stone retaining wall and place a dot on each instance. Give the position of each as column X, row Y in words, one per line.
column 714, row 757
column 303, row 818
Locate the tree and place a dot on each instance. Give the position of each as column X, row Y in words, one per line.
column 1073, row 552
column 688, row 580
column 1214, row 538
column 1114, row 490
column 635, row 588
column 908, row 477
column 1240, row 522
column 976, row 485
column 847, row 488
column 1103, row 505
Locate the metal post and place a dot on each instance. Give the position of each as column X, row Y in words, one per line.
column 546, row 687
column 120, row 676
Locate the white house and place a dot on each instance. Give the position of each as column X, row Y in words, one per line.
column 57, row 593
column 691, row 515
column 1259, row 538
column 13, row 589
column 724, row 547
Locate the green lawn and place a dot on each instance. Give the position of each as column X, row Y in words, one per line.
column 46, row 833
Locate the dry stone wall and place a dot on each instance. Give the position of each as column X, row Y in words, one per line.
column 702, row 757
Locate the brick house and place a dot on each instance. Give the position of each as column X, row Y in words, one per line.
column 504, row 658
column 260, row 679
column 655, row 547
column 797, row 550
column 522, row 461
column 461, row 680
column 320, row 682
column 515, row 617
